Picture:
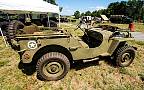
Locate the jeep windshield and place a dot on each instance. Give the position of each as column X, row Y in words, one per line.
column 7, row 17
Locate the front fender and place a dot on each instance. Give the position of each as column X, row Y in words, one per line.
column 116, row 43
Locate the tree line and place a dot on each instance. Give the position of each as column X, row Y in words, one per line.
column 54, row 3
column 132, row 8
column 51, row 1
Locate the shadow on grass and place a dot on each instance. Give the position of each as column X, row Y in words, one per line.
column 110, row 61
column 81, row 65
column 78, row 65
column 30, row 69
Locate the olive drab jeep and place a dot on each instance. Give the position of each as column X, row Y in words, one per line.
column 55, row 50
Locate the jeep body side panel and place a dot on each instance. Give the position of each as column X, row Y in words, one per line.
column 115, row 42
column 73, row 45
column 42, row 43
column 77, row 50
column 113, row 46
column 90, row 53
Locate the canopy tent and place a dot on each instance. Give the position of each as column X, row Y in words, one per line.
column 28, row 6
column 104, row 17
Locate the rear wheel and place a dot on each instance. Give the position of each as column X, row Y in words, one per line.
column 53, row 66
column 125, row 56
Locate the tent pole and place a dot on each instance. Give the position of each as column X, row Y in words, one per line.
column 48, row 21
column 3, row 38
column 59, row 19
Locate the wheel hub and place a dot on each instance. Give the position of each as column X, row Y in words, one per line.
column 126, row 57
column 53, row 68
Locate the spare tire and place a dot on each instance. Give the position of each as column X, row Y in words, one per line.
column 13, row 29
column 3, row 26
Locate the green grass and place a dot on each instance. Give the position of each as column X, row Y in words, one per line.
column 139, row 43
column 138, row 26
column 101, row 76
column 123, row 71
column 3, row 63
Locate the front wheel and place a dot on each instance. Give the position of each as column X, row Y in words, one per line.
column 125, row 56
column 53, row 66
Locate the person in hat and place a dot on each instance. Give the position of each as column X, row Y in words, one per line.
column 28, row 21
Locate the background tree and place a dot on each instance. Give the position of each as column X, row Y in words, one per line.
column 88, row 13
column 117, row 8
column 54, row 2
column 61, row 8
column 94, row 13
column 132, row 8
column 51, row 1
column 82, row 14
column 77, row 14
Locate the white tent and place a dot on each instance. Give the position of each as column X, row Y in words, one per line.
column 28, row 5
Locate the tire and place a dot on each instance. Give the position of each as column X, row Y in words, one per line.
column 3, row 26
column 125, row 56
column 52, row 66
column 12, row 30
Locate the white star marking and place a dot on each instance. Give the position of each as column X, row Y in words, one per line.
column 32, row 44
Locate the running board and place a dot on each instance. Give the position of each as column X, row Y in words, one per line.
column 90, row 60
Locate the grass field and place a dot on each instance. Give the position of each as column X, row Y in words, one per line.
column 89, row 76
column 139, row 27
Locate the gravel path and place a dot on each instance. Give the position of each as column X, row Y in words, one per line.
column 138, row 36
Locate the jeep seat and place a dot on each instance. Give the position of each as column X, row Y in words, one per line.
column 82, row 43
column 31, row 29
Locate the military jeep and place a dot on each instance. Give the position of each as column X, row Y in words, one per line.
column 55, row 51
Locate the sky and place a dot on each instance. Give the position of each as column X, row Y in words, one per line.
column 70, row 6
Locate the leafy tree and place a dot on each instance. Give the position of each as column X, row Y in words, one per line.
column 99, row 12
column 94, row 13
column 88, row 13
column 77, row 14
column 61, row 8
column 131, row 8
column 135, row 8
column 51, row 1
column 54, row 2
column 82, row 14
